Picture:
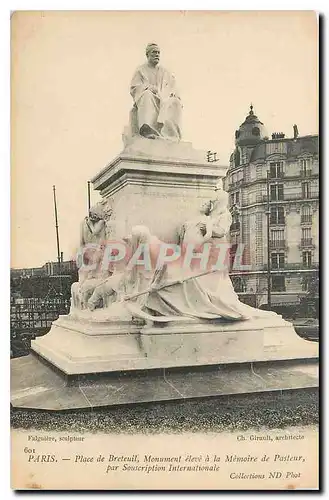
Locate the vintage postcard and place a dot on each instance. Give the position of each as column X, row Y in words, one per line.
column 165, row 252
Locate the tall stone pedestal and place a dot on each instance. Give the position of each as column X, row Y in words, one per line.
column 157, row 184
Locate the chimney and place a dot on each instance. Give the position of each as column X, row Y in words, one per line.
column 278, row 135
column 296, row 133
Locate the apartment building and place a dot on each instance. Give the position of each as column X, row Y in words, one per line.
column 274, row 180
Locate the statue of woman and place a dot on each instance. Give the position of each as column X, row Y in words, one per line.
column 93, row 227
column 198, row 230
column 210, row 296
column 213, row 222
column 92, row 244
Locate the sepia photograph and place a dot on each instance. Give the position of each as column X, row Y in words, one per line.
column 164, row 277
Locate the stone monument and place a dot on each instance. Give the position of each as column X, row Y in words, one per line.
column 154, row 315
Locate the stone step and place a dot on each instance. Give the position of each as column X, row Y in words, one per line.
column 37, row 385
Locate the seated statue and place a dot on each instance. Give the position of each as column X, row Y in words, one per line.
column 157, row 105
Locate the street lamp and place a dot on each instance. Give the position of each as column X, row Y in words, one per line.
column 57, row 240
column 88, row 191
column 268, row 213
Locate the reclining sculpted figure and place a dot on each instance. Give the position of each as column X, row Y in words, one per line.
column 194, row 292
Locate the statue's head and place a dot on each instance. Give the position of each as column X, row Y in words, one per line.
column 206, row 207
column 220, row 203
column 153, row 54
column 141, row 234
column 96, row 212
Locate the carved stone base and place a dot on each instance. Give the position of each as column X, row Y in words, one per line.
column 89, row 346
column 86, row 346
column 258, row 339
column 161, row 148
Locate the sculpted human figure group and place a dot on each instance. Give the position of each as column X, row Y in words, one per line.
column 169, row 289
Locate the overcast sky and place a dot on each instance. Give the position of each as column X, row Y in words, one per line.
column 71, row 73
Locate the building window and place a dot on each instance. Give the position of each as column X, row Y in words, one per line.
column 276, row 147
column 305, row 166
column 237, row 158
column 306, row 233
column 277, row 238
column 305, row 283
column 306, row 216
column 307, row 259
column 306, row 190
column 277, row 215
column 278, row 283
column 244, row 156
column 256, row 131
column 311, row 283
column 276, row 192
column 306, row 236
column 234, row 239
column 235, row 198
column 235, row 226
column 232, row 252
column 276, row 169
column 277, row 260
column 239, row 284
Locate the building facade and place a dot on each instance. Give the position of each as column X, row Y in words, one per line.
column 49, row 281
column 273, row 186
column 66, row 267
